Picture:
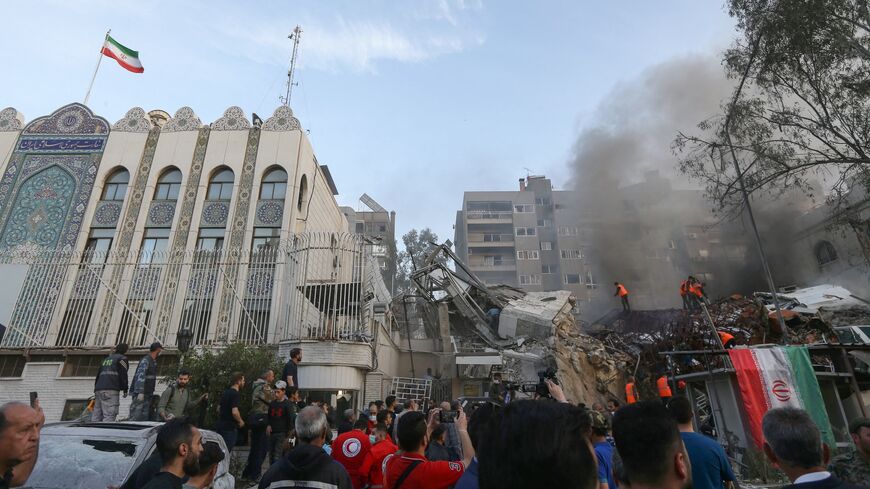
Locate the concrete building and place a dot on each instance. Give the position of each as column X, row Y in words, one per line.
column 379, row 227
column 155, row 225
column 523, row 238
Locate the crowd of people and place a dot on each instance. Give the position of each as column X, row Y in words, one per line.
column 416, row 444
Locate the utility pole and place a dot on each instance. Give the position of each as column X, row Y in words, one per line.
column 296, row 36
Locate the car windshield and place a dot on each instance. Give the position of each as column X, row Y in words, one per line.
column 74, row 461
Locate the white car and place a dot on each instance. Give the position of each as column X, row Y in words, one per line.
column 103, row 455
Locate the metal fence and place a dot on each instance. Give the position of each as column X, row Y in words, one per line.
column 314, row 286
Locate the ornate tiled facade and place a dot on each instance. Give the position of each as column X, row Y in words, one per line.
column 215, row 214
column 45, row 190
column 270, row 213
column 106, row 215
column 233, row 120
column 281, row 120
column 134, row 121
column 161, row 213
column 9, row 120
column 237, row 232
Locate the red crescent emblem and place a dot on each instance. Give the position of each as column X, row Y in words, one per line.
column 781, row 391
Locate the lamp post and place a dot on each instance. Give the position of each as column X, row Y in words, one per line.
column 185, row 336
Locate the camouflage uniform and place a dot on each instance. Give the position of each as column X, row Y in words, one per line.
column 851, row 467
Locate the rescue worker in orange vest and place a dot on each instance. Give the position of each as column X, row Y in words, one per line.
column 622, row 292
column 631, row 391
column 696, row 293
column 684, row 294
column 727, row 339
column 664, row 389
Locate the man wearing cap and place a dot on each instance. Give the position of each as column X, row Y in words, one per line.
column 282, row 417
column 603, row 450
column 854, row 466
column 144, row 381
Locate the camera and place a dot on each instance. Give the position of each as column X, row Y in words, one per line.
column 541, row 389
column 448, row 416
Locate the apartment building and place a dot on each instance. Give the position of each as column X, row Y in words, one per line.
column 524, row 238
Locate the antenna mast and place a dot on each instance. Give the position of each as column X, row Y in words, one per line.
column 295, row 35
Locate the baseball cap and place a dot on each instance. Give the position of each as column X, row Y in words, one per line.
column 856, row 424
column 281, row 385
column 155, row 346
column 598, row 420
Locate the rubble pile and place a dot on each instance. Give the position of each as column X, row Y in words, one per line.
column 588, row 370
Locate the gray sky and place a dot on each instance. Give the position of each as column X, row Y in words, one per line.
column 413, row 102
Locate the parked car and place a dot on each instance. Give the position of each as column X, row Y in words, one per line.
column 103, row 455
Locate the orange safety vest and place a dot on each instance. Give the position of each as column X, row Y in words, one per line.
column 622, row 290
column 631, row 393
column 664, row 388
column 696, row 290
column 684, row 287
column 725, row 337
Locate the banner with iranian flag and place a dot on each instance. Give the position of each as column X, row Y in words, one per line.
column 776, row 377
column 125, row 56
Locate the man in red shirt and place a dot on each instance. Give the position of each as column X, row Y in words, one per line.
column 352, row 449
column 409, row 469
column 382, row 448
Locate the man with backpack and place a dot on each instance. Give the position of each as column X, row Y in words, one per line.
column 177, row 398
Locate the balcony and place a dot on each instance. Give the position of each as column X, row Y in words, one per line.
column 491, row 264
column 496, row 217
column 490, row 240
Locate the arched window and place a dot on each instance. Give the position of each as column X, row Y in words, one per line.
column 116, row 185
column 303, row 190
column 825, row 252
column 168, row 185
column 274, row 185
column 221, row 185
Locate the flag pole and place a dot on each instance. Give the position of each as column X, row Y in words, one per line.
column 100, row 60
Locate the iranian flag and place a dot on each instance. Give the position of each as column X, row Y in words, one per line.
column 777, row 377
column 125, row 56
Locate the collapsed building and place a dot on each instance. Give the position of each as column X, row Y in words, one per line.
column 502, row 329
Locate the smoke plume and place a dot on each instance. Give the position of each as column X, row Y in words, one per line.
column 639, row 211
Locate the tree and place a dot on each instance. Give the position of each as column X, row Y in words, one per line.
column 801, row 109
column 417, row 246
column 211, row 371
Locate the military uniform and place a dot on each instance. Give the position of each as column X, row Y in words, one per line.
column 851, row 467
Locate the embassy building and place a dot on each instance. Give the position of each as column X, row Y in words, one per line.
column 162, row 228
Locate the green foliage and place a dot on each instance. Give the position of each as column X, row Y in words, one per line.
column 417, row 246
column 801, row 108
column 211, row 371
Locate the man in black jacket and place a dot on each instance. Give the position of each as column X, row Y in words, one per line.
column 307, row 465
column 144, row 381
column 792, row 442
column 110, row 382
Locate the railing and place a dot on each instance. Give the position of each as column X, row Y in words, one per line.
column 507, row 262
column 488, row 215
column 491, row 238
column 317, row 285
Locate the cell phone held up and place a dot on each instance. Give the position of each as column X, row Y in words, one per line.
column 33, row 397
column 448, row 416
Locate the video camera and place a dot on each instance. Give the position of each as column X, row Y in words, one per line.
column 541, row 388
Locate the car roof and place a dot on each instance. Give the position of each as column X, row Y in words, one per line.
column 129, row 430
column 125, row 430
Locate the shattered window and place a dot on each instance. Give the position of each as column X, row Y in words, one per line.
column 526, row 232
column 524, row 208
column 546, row 245
column 825, row 252
column 72, row 461
column 548, row 269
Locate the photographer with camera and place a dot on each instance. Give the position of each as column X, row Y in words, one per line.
column 409, row 468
